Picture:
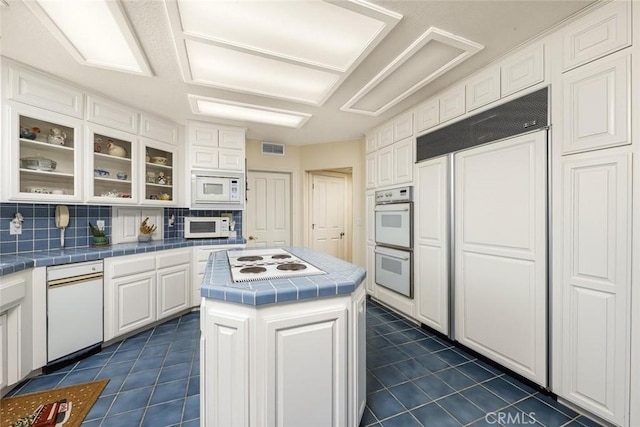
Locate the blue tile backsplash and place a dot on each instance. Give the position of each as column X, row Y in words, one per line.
column 39, row 231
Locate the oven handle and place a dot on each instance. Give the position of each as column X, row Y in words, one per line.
column 381, row 209
column 402, row 258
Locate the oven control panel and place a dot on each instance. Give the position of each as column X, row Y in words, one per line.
column 394, row 195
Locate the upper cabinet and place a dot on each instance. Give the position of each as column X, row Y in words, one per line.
column 598, row 34
column 371, row 143
column 452, row 104
column 483, row 89
column 34, row 89
column 44, row 149
column 215, row 147
column 427, row 115
column 159, row 130
column 523, row 70
column 385, row 135
column 403, row 127
column 161, row 168
column 111, row 114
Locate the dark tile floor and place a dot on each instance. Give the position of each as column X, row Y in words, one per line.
column 414, row 378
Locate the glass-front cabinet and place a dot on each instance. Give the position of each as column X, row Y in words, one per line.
column 111, row 166
column 160, row 172
column 45, row 156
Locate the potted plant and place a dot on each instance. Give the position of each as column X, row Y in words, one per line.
column 99, row 238
column 146, row 231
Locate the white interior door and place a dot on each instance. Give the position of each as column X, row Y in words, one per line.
column 268, row 209
column 500, row 254
column 327, row 214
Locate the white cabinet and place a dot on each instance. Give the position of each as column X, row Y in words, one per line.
column 126, row 223
column 483, row 88
column 160, row 173
column 39, row 170
column 597, row 34
column 427, row 115
column 597, row 104
column 215, row 147
column 402, row 127
column 111, row 114
column 112, row 172
column 370, row 281
column 371, row 142
column 173, row 281
column 596, row 281
column 370, row 206
column 431, row 247
column 394, row 163
column 370, row 170
column 522, row 70
column 158, row 129
column 17, row 327
column 385, row 135
column 201, row 256
column 141, row 289
column 32, row 88
column 358, row 357
column 452, row 104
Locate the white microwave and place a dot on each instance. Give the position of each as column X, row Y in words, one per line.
column 205, row 227
column 209, row 191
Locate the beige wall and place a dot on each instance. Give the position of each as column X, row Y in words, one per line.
column 298, row 161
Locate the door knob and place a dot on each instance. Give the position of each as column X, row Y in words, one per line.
column 341, row 234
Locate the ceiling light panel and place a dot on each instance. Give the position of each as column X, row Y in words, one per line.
column 95, row 33
column 230, row 69
column 436, row 50
column 311, row 32
column 220, row 108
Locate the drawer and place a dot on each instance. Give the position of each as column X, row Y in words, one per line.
column 12, row 291
column 171, row 258
column 132, row 266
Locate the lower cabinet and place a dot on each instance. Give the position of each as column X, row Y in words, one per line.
column 289, row 365
column 370, row 280
column 141, row 289
column 596, row 283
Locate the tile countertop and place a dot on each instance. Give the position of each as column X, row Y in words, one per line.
column 341, row 278
column 22, row 261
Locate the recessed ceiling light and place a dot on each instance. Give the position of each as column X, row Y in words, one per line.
column 95, row 33
column 224, row 109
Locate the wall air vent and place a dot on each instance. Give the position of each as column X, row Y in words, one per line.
column 274, row 149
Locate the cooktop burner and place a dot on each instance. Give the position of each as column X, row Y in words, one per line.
column 250, row 258
column 265, row 264
column 291, row 266
column 254, row 270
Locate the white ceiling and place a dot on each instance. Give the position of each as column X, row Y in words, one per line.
column 348, row 78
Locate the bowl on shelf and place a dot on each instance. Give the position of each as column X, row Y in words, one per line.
column 121, row 175
column 29, row 133
column 38, row 163
column 158, row 160
column 101, row 172
column 112, row 193
column 165, row 196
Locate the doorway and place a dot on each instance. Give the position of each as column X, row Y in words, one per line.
column 330, row 212
column 268, row 209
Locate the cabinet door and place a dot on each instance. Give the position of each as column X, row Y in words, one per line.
column 427, row 115
column 371, row 270
column 293, row 345
column 385, row 135
column 483, row 89
column 358, row 354
column 370, row 161
column 452, row 104
column 111, row 114
column 500, row 257
column 159, row 130
column 403, row 127
column 599, row 33
column 403, row 161
column 135, row 302
column 597, row 105
column 160, row 173
column 204, row 157
column 431, row 271
column 231, row 138
column 596, row 283
column 4, row 365
column 384, row 166
column 522, row 70
column 225, row 383
column 371, row 143
column 112, row 171
column 202, row 134
column 371, row 204
column 231, row 159
column 38, row 170
column 40, row 91
column 173, row 290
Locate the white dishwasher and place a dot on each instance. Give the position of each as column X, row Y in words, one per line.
column 74, row 308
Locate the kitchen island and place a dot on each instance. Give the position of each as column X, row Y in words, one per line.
column 285, row 351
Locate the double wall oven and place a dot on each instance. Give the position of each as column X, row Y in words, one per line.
column 394, row 240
